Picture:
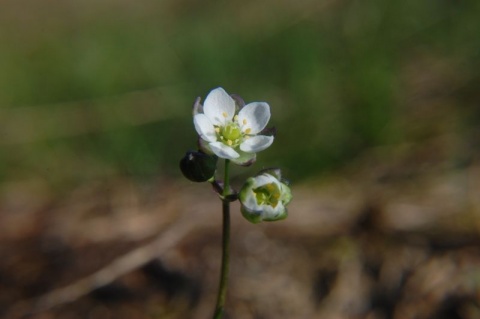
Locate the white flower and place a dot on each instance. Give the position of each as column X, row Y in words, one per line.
column 229, row 135
column 264, row 198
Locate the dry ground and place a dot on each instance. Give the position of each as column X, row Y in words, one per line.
column 383, row 238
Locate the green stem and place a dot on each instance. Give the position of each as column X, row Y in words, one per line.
column 222, row 290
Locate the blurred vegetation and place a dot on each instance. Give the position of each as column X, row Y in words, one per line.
column 89, row 88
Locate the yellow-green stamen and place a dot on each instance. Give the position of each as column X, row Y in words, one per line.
column 230, row 134
column 268, row 194
column 233, row 133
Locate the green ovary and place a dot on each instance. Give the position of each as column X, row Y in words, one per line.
column 230, row 134
column 268, row 194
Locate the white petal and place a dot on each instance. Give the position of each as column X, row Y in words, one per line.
column 245, row 159
column 264, row 179
column 250, row 202
column 270, row 213
column 219, row 106
column 204, row 146
column 204, row 128
column 223, row 151
column 256, row 143
column 254, row 116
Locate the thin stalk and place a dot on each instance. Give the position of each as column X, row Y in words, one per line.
column 222, row 290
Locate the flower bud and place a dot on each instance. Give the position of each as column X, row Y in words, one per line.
column 198, row 166
column 264, row 198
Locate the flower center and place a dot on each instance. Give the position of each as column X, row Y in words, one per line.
column 230, row 134
column 268, row 194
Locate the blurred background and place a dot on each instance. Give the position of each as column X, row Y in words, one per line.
column 377, row 109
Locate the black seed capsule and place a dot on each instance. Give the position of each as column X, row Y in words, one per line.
column 198, row 166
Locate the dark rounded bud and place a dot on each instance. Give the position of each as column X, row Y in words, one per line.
column 198, row 166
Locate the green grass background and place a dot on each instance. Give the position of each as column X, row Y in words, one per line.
column 340, row 76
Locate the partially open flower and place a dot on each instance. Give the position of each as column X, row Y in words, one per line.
column 264, row 198
column 227, row 134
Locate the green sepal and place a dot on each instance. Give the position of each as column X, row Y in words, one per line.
column 251, row 216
